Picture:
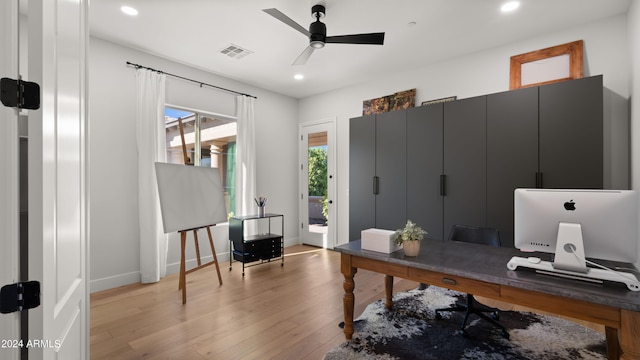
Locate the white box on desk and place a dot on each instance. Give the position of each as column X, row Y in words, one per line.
column 379, row 240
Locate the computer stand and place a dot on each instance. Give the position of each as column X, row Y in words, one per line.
column 570, row 261
column 592, row 275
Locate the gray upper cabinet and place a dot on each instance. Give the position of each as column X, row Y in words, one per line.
column 391, row 170
column 465, row 165
column 571, row 134
column 460, row 162
column 424, row 167
column 362, row 169
column 512, row 154
column 377, row 172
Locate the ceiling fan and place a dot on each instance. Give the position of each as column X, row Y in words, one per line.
column 317, row 33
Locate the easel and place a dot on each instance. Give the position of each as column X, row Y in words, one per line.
column 182, row 285
column 183, row 271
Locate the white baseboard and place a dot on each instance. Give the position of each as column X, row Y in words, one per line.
column 174, row 268
column 115, row 281
column 291, row 241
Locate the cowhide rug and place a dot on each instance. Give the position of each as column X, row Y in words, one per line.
column 411, row 331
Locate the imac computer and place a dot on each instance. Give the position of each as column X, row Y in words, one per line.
column 579, row 227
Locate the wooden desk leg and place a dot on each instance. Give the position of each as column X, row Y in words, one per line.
column 613, row 348
column 183, row 276
column 628, row 335
column 388, row 291
column 215, row 257
column 349, row 299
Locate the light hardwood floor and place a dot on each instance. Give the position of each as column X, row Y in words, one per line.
column 289, row 312
column 274, row 312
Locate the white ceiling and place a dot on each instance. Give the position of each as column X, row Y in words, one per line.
column 193, row 32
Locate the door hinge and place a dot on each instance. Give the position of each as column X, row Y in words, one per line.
column 19, row 94
column 19, row 296
column 301, row 225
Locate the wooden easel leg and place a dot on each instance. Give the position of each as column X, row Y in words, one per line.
column 195, row 240
column 183, row 283
column 215, row 257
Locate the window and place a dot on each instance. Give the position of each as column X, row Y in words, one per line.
column 209, row 140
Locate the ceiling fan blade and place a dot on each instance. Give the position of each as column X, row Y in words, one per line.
column 287, row 20
column 302, row 58
column 367, row 39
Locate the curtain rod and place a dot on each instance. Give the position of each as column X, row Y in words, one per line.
column 137, row 66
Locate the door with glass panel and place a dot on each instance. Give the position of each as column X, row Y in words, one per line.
column 317, row 184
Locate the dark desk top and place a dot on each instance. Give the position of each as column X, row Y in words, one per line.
column 489, row 264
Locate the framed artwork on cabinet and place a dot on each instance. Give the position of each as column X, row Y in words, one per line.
column 545, row 66
column 397, row 101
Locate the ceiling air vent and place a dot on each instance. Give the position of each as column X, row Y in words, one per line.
column 235, row 51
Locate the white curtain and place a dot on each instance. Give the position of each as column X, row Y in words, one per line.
column 151, row 148
column 245, row 157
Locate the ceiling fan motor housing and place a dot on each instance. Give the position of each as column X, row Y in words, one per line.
column 318, row 32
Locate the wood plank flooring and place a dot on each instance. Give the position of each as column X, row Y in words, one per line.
column 274, row 312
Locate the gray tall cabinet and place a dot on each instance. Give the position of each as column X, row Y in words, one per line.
column 425, row 162
column 465, row 164
column 377, row 175
column 546, row 137
column 459, row 162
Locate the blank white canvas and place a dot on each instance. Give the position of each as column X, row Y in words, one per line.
column 191, row 197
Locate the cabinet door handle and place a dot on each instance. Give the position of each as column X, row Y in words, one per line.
column 375, row 185
column 537, row 180
column 541, row 181
column 443, row 189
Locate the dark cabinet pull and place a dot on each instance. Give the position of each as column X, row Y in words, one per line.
column 375, row 185
column 443, row 179
column 537, row 180
column 541, row 181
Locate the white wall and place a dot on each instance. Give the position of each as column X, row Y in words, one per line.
column 476, row 74
column 113, row 161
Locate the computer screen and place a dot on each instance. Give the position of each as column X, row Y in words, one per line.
column 607, row 221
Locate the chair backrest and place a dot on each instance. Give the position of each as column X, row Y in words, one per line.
column 474, row 234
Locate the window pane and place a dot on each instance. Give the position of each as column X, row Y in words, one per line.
column 173, row 118
column 208, row 141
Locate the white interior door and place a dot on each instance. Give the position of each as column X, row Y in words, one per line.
column 58, row 40
column 317, row 183
column 9, row 208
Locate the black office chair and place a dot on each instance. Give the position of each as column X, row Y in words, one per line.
column 478, row 235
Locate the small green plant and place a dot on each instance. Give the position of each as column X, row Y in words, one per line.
column 325, row 208
column 411, row 232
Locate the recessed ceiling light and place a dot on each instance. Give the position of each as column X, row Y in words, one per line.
column 129, row 10
column 510, row 6
column 298, row 76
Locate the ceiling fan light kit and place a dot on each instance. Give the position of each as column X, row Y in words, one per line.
column 317, row 33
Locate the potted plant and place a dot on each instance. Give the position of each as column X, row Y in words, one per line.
column 409, row 238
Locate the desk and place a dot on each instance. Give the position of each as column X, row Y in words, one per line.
column 482, row 270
